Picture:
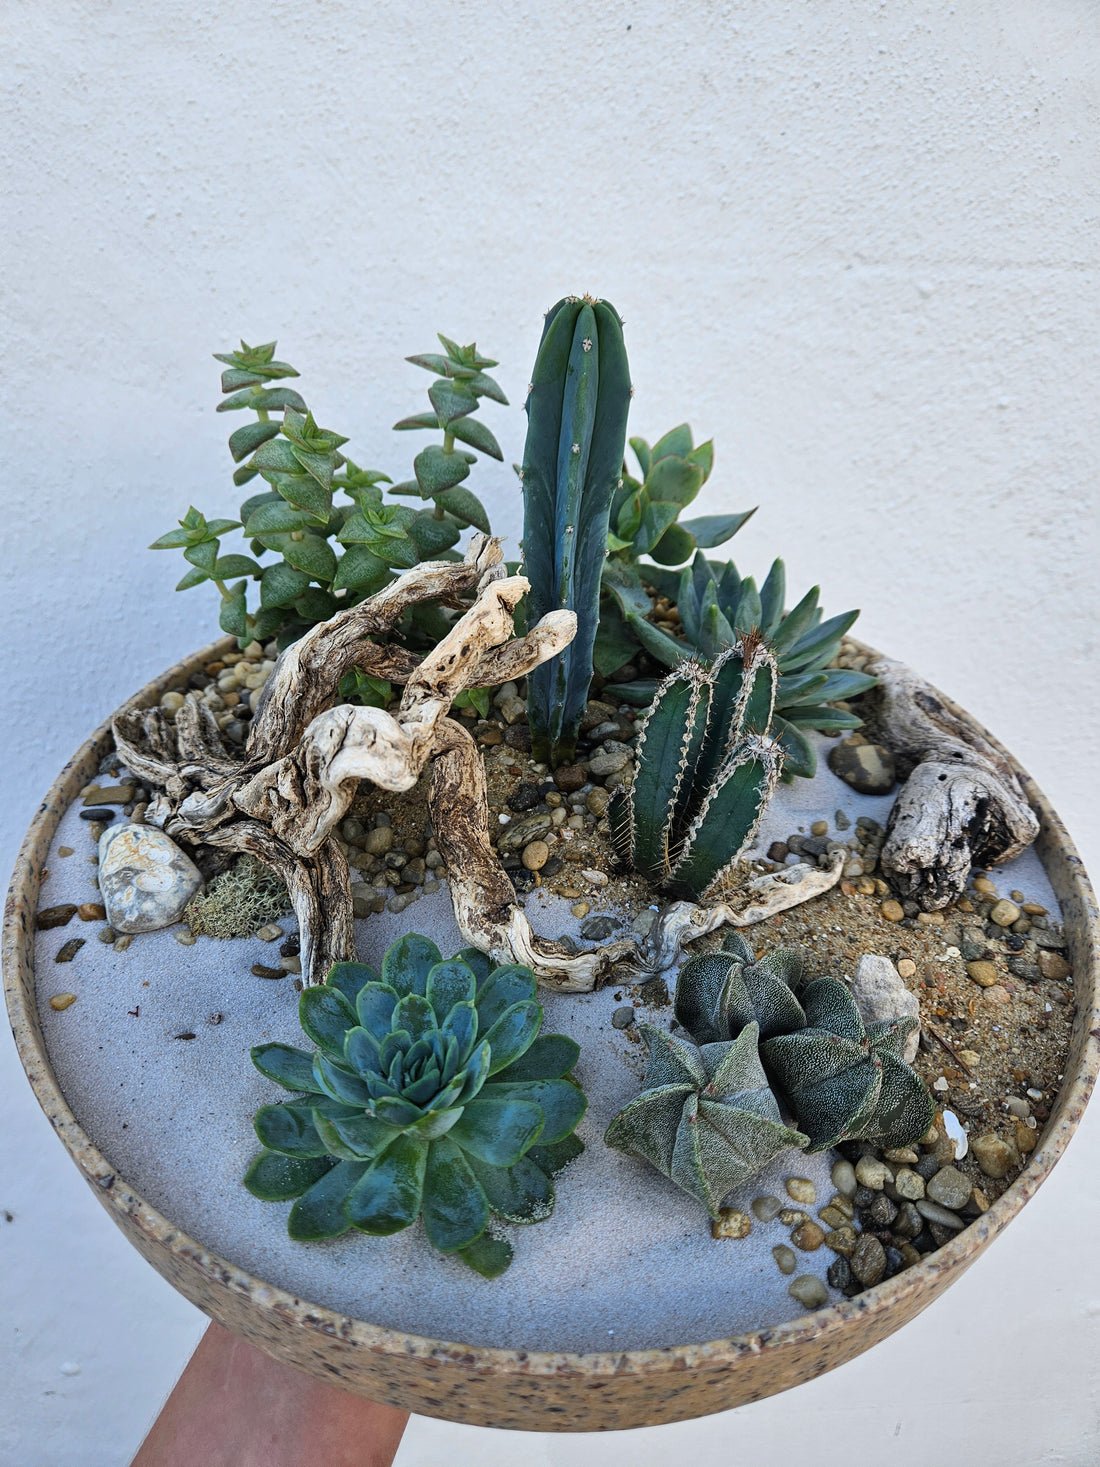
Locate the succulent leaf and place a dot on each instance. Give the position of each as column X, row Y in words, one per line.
column 718, row 994
column 400, row 1096
column 844, row 1081
column 713, row 1132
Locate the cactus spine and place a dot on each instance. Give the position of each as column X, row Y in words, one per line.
column 577, row 409
column 706, row 771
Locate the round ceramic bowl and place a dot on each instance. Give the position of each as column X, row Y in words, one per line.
column 516, row 1388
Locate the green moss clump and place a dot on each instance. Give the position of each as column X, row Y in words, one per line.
column 237, row 902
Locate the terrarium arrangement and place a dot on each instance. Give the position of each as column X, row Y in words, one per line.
column 583, row 756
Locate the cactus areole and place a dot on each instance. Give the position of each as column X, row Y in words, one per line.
column 577, row 409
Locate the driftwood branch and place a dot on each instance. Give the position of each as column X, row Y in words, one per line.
column 962, row 805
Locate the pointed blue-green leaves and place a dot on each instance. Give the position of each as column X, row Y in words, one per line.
column 577, row 409
column 402, row 1115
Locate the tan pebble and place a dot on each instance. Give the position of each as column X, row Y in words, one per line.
column 580, row 909
column 909, row 1254
column 844, row 1178
column 873, row 1173
column 832, row 1217
column 844, row 1205
column 270, row 933
column 893, row 911
column 909, row 1184
column 64, row 850
column 730, row 1223
column 92, row 912
column 865, row 886
column 842, row 1240
column 901, row 1156
column 907, row 968
column 596, row 878
column 290, row 965
column 1004, row 913
column 801, row 1189
column 1053, row 965
column 379, row 840
column 767, row 1209
column 568, row 891
column 808, row 1236
column 847, row 889
column 964, row 904
column 930, row 919
column 120, row 944
column 173, row 702
column 536, row 853
column 995, row 1156
column 1026, row 1139
column 819, row 827
column 791, row 1217
column 985, row 886
column 62, row 1001
column 810, row 1292
column 998, row 994
column 970, row 1057
column 983, row 972
column 785, row 1258
column 979, row 1199
column 930, row 1137
column 183, row 935
column 1033, row 909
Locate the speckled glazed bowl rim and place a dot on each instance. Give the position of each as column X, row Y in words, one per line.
column 539, row 1390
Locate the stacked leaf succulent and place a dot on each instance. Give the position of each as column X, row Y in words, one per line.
column 329, row 555
column 719, row 994
column 716, row 606
column 706, row 769
column 431, row 1094
column 845, row 1080
column 461, row 381
column 577, row 408
column 706, row 1117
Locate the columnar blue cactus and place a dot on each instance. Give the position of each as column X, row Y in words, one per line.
column 706, row 771
column 577, row 409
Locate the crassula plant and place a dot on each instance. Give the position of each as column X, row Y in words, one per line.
column 431, row 1094
column 846, row 1080
column 706, row 1116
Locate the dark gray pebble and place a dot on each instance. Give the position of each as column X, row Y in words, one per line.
column 927, row 1167
column 894, row 1262
column 552, row 867
column 68, row 950
column 882, row 1211
column 623, row 1017
column 598, row 928
column 864, row 1197
column 98, row 812
column 839, row 1274
column 867, row 768
column 525, row 797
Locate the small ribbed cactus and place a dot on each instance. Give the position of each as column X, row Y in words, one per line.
column 431, row 1094
column 719, row 994
column 706, row 1117
column 845, row 1080
column 577, row 409
column 706, row 771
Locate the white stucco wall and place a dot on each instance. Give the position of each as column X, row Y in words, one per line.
column 855, row 242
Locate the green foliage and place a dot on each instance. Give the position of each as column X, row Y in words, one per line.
column 845, row 1080
column 461, row 381
column 577, row 409
column 716, row 607
column 706, row 1117
column 719, row 994
column 706, row 769
column 359, row 687
column 329, row 555
column 431, row 1094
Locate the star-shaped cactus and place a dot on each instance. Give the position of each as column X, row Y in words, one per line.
column 846, row 1080
column 718, row 994
column 706, row 1117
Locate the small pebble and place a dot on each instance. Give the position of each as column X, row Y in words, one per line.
column 892, row 910
column 644, row 922
column 62, row 1001
column 59, row 916
column 801, row 1189
column 839, row 1274
column 623, row 1017
column 873, row 1173
column 64, row 850
column 379, row 840
column 832, row 1217
column 1018, row 1108
column 1004, row 913
column 598, row 929
column 936, row 1212
column 882, row 1211
column 1026, row 1139
column 810, row 1292
column 91, row 912
column 184, row 936
column 842, row 1240
column 767, row 1209
column 819, row 827
column 106, row 935
column 995, row 1157
column 122, row 942
column 535, row 855
column 595, row 878
column 901, row 1156
column 998, row 994
column 290, row 965
column 260, row 970
column 844, row 1178
column 1053, row 966
column 580, row 909
column 68, row 950
column 907, row 968
column 808, row 1236
column 785, row 1258
column 949, row 1188
column 99, row 815
column 731, row 1224
column 790, row 1217
column 868, row 1262
column 909, row 1184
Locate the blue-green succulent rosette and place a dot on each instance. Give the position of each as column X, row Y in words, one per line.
column 431, row 1094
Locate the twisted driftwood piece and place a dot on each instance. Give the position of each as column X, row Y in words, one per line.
column 961, row 805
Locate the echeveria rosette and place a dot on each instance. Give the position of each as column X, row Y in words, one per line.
column 431, row 1094
column 719, row 994
column 706, row 1116
column 845, row 1080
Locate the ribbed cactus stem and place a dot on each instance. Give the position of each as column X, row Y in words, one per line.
column 577, row 410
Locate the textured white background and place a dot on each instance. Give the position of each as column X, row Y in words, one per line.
column 857, row 243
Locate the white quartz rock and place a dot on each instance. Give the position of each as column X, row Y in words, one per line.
column 880, row 993
column 145, row 880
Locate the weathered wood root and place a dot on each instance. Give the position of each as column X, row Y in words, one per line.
column 961, row 805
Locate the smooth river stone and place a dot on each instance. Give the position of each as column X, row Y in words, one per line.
column 144, row 878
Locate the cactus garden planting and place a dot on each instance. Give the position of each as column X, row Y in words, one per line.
column 625, row 953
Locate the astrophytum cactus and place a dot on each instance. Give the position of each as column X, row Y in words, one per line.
column 706, row 770
column 577, row 408
column 431, row 1094
column 706, row 1117
column 845, row 1080
column 719, row 994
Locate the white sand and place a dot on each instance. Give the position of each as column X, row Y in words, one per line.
column 626, row 1261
